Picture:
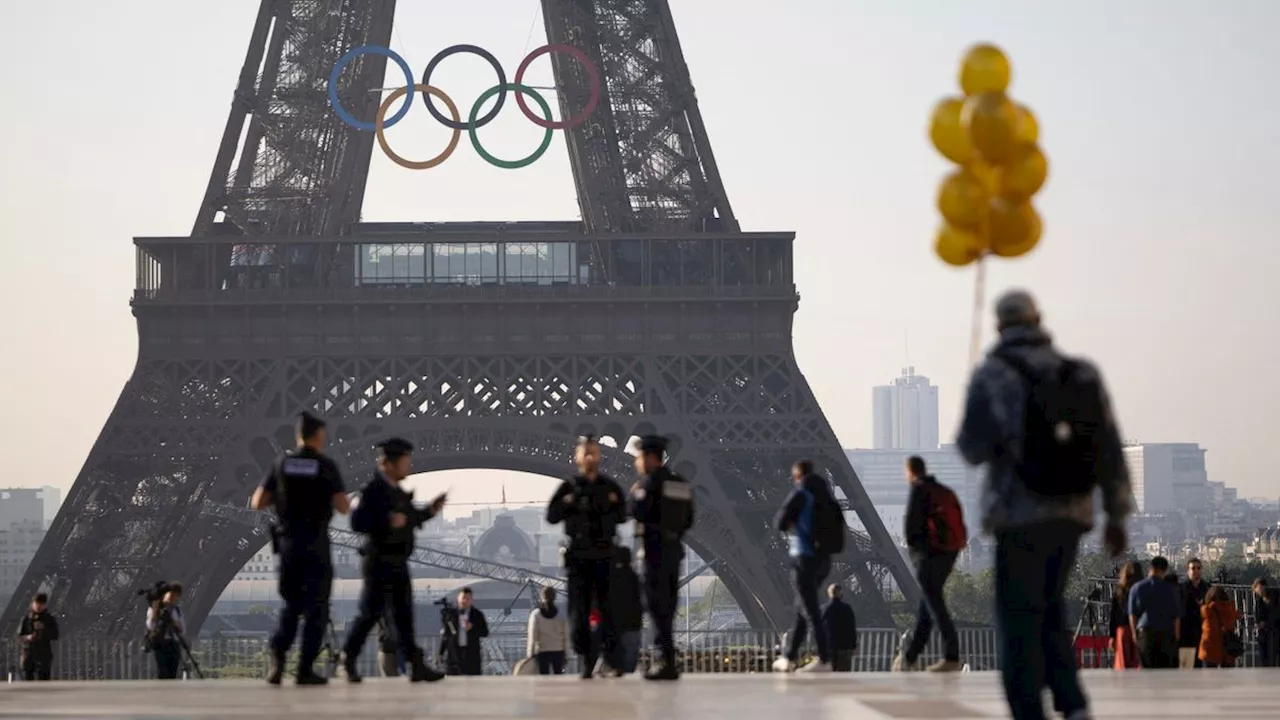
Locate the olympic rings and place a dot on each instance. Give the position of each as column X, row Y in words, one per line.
column 593, row 76
column 475, row 139
column 427, row 91
column 502, row 81
column 381, row 122
column 346, row 60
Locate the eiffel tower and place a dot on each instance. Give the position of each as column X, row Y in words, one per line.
column 654, row 313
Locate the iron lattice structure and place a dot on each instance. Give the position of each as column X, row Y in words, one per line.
column 489, row 345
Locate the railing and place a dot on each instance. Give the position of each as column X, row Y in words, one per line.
column 719, row 651
column 729, row 651
column 450, row 292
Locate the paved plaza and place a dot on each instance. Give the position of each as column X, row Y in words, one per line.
column 1132, row 696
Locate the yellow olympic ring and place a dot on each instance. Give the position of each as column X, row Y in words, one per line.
column 380, row 120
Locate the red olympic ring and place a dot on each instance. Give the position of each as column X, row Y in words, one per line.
column 593, row 76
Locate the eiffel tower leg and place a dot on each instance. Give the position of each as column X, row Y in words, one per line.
column 181, row 434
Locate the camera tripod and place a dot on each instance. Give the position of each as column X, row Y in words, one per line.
column 189, row 659
column 332, row 649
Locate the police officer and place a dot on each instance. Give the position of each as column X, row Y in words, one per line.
column 387, row 517
column 305, row 487
column 662, row 504
column 591, row 506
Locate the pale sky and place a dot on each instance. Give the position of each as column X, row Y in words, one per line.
column 1158, row 260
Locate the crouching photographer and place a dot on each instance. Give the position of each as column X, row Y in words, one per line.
column 165, row 629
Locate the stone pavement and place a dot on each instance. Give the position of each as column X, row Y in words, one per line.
column 1216, row 694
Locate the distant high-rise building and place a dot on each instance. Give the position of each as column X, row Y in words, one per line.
column 905, row 414
column 26, row 505
column 1168, row 477
column 52, row 498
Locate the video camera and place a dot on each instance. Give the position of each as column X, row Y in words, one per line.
column 156, row 592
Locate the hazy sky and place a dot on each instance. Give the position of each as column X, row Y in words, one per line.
column 1159, row 258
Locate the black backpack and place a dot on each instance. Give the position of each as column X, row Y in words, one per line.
column 829, row 528
column 1064, row 427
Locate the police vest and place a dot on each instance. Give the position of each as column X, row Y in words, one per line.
column 676, row 514
column 303, row 501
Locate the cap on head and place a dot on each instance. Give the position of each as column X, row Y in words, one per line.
column 655, row 444
column 309, row 425
column 395, row 448
column 1017, row 308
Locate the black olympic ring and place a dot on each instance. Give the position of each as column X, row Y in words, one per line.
column 474, row 50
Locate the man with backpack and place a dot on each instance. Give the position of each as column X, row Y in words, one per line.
column 1042, row 424
column 814, row 524
column 935, row 536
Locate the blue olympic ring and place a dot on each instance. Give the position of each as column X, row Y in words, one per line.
column 336, row 102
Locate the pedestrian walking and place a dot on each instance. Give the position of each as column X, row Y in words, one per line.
column 1042, row 424
column 935, row 533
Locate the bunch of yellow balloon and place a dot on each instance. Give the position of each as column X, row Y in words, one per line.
column 986, row 201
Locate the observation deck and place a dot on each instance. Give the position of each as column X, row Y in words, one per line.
column 465, row 288
column 463, row 262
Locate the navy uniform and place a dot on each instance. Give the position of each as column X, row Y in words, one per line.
column 591, row 511
column 662, row 504
column 302, row 485
column 385, row 564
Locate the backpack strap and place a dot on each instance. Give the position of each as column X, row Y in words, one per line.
column 1018, row 364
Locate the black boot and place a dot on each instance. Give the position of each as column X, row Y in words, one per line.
column 664, row 670
column 307, row 674
column 420, row 671
column 275, row 669
column 309, row 677
column 349, row 666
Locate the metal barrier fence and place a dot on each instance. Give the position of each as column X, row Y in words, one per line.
column 713, row 651
column 721, row 651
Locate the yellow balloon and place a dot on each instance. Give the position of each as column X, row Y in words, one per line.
column 1024, row 175
column 1014, row 229
column 948, row 136
column 962, row 200
column 988, row 176
column 958, row 247
column 1028, row 128
column 984, row 69
column 991, row 122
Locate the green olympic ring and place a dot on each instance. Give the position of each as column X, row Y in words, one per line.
column 475, row 138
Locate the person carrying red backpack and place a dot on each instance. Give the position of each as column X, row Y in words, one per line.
column 935, row 534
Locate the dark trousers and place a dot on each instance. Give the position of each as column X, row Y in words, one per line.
column 1158, row 649
column 471, row 658
column 550, row 663
column 1032, row 566
column 932, row 572
column 842, row 660
column 1269, row 649
column 37, row 663
column 306, row 578
column 386, row 581
column 587, row 585
column 661, row 581
column 807, row 574
column 168, row 659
